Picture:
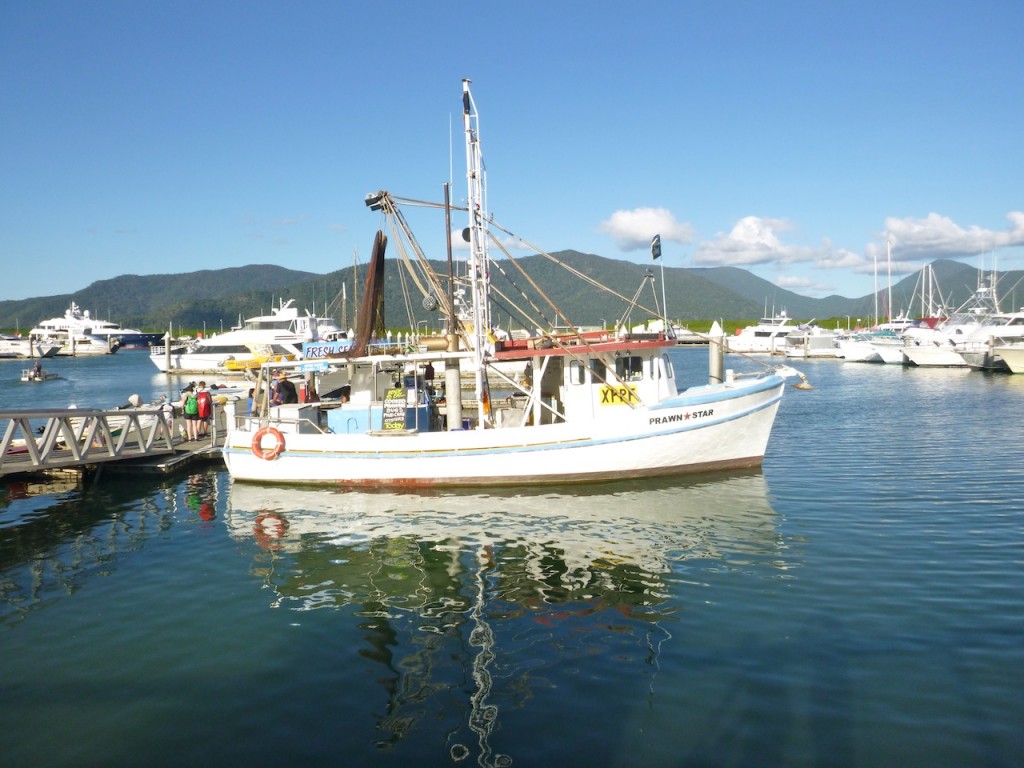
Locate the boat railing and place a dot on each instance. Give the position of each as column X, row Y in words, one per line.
column 287, row 424
column 38, row 440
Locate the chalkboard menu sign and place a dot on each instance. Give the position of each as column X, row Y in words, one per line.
column 394, row 408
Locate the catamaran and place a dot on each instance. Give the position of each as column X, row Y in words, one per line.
column 589, row 405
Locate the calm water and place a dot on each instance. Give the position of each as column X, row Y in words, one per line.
column 859, row 602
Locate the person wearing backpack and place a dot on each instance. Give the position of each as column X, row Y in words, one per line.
column 204, row 405
column 190, row 409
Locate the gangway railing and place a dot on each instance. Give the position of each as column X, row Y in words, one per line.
column 39, row 440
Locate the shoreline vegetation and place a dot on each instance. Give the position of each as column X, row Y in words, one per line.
column 703, row 327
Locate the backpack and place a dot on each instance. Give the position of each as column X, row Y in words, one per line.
column 191, row 405
column 203, row 402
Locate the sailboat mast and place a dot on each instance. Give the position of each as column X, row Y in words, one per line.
column 888, row 258
column 479, row 268
column 875, row 254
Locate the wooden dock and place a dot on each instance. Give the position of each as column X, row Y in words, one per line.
column 135, row 440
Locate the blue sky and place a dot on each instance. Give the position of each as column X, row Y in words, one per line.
column 788, row 138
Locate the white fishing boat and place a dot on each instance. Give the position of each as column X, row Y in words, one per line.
column 595, row 405
column 280, row 334
column 17, row 347
column 77, row 332
column 767, row 337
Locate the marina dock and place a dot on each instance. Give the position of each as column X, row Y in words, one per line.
column 134, row 440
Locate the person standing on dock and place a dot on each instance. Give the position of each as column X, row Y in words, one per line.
column 190, row 409
column 204, row 401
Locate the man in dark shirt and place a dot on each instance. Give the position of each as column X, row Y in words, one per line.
column 286, row 392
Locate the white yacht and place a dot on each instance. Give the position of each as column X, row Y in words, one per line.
column 940, row 346
column 279, row 335
column 767, row 337
column 81, row 334
column 15, row 346
column 979, row 349
column 810, row 341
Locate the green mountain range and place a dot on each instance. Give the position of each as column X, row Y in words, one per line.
column 216, row 299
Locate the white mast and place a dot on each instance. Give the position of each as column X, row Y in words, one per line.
column 875, row 254
column 479, row 267
column 888, row 256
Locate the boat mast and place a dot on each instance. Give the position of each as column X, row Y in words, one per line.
column 888, row 257
column 479, row 267
column 875, row 254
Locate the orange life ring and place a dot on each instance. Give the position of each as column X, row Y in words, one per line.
column 275, row 450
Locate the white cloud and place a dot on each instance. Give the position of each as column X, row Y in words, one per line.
column 842, row 259
column 633, row 230
column 753, row 240
column 936, row 236
column 797, row 283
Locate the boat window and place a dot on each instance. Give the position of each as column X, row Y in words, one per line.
column 629, row 368
column 577, row 373
column 599, row 371
column 667, row 365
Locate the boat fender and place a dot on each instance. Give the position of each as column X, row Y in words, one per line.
column 274, row 451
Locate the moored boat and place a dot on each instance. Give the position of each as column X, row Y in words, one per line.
column 592, row 405
column 940, row 345
column 280, row 334
column 1012, row 355
column 807, row 341
column 79, row 333
column 765, row 337
column 78, row 344
column 979, row 349
column 17, row 347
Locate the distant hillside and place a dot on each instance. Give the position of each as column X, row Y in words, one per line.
column 151, row 301
column 216, row 299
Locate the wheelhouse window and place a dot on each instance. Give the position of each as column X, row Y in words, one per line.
column 577, row 372
column 629, row 368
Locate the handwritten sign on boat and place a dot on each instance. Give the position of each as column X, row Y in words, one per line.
column 394, row 409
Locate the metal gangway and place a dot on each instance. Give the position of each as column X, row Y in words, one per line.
column 45, row 439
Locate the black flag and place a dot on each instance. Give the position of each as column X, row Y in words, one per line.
column 656, row 247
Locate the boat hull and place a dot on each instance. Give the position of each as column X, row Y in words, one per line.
column 205, row 362
column 858, row 351
column 1012, row 356
column 705, row 428
column 934, row 355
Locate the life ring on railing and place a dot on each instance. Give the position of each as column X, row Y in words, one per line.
column 274, row 451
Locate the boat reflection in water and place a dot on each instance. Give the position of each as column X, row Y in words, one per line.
column 491, row 594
